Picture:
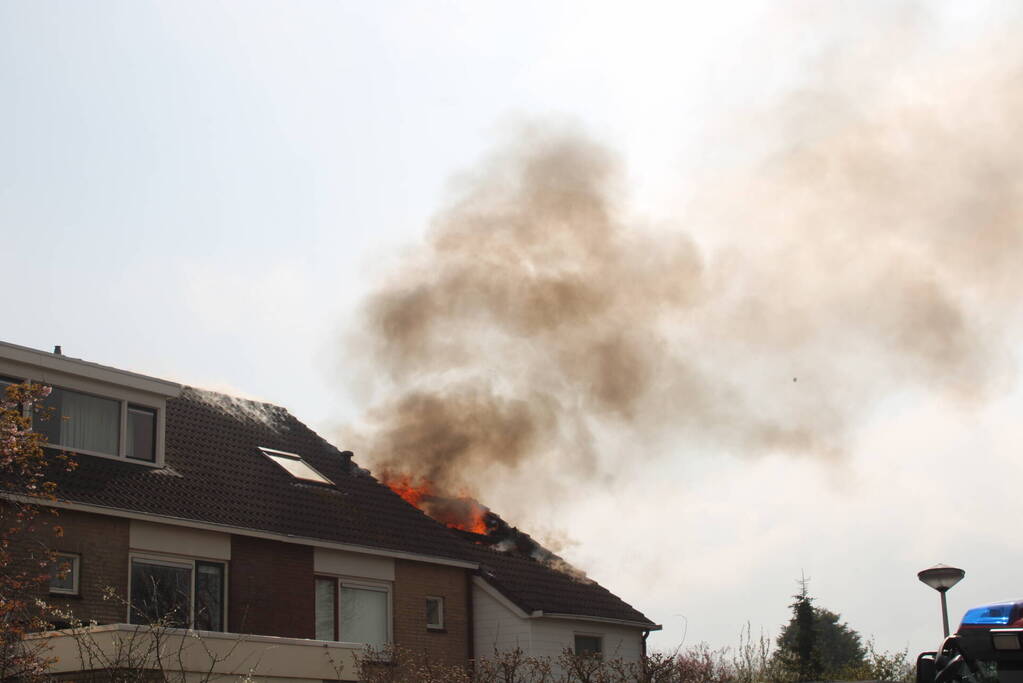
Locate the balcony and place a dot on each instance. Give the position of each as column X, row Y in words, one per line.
column 194, row 655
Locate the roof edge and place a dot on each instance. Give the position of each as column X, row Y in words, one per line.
column 493, row 591
column 493, row 588
column 243, row 531
column 646, row 625
column 83, row 368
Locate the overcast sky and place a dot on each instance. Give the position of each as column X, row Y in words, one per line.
column 208, row 191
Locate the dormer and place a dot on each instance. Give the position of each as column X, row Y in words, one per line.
column 94, row 410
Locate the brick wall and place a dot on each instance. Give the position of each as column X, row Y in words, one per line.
column 102, row 544
column 271, row 589
column 413, row 582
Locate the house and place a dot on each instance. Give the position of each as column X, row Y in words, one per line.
column 231, row 518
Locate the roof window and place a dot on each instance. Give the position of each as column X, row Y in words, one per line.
column 294, row 465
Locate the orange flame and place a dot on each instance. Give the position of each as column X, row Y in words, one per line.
column 458, row 512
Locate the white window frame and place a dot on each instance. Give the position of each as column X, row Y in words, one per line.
column 277, row 456
column 122, row 434
column 181, row 562
column 76, row 570
column 439, row 626
column 364, row 584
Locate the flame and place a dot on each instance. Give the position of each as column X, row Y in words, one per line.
column 458, row 512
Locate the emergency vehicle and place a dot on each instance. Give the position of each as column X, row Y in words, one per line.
column 986, row 648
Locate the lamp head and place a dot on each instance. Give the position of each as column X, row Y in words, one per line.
column 941, row 577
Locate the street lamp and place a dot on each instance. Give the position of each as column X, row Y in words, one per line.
column 941, row 577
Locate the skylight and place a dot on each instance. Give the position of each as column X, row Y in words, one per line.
column 294, row 465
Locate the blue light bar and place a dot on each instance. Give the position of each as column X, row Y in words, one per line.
column 989, row 615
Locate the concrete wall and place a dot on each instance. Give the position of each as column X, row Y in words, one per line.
column 413, row 582
column 184, row 655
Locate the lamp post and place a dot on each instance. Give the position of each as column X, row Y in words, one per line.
column 941, row 577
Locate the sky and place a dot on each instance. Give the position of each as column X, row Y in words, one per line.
column 216, row 192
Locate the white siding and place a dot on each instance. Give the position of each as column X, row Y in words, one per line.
column 177, row 540
column 496, row 626
column 341, row 563
column 551, row 637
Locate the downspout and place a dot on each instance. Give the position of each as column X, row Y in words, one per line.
column 470, row 620
column 646, row 634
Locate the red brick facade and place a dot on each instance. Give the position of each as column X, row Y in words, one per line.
column 413, row 582
column 270, row 588
column 102, row 544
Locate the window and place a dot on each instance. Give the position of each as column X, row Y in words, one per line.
column 81, row 422
column 9, row 382
column 141, row 433
column 363, row 617
column 589, row 645
column 177, row 593
column 93, row 425
column 434, row 613
column 64, row 574
column 294, row 465
column 209, row 596
column 326, row 608
column 353, row 612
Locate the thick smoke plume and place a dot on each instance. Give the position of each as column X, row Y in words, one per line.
column 874, row 252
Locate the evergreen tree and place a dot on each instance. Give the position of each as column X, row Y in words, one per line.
column 815, row 644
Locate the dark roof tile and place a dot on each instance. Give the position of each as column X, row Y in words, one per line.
column 216, row 474
column 212, row 444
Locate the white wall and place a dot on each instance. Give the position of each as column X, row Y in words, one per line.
column 551, row 637
column 341, row 563
column 179, row 540
column 496, row 625
column 500, row 625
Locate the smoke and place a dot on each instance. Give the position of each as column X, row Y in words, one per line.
column 253, row 410
column 871, row 253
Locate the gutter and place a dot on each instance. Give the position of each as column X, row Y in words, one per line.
column 645, row 625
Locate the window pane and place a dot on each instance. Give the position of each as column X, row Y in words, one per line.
column 294, row 465
column 80, row 421
column 434, row 612
column 587, row 645
column 63, row 574
column 160, row 593
column 141, row 433
column 325, row 609
column 209, row 596
column 364, row 616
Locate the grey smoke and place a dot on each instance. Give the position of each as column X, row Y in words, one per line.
column 875, row 252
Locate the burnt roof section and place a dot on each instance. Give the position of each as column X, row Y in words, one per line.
column 215, row 473
column 533, row 585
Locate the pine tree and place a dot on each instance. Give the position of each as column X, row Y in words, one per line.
column 798, row 652
column 815, row 644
